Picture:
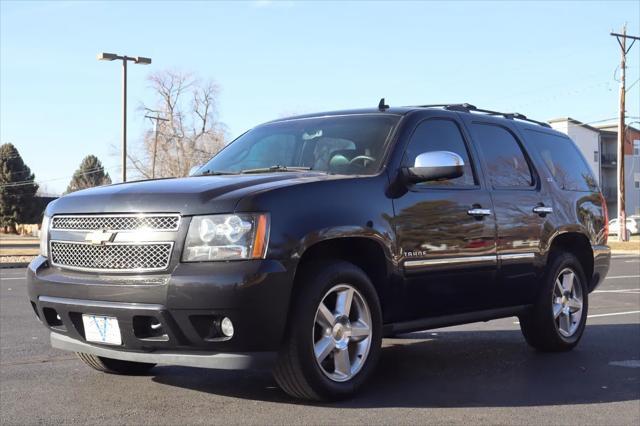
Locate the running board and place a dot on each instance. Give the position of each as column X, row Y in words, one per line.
column 450, row 320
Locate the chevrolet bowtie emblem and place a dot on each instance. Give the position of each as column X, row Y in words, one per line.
column 100, row 237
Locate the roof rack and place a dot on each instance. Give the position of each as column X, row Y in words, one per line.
column 465, row 107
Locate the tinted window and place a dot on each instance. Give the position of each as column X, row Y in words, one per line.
column 506, row 163
column 564, row 161
column 276, row 149
column 439, row 135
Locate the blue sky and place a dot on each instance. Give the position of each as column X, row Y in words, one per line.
column 58, row 103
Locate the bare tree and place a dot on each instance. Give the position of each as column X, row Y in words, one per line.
column 191, row 133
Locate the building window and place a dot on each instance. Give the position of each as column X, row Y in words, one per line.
column 595, row 156
column 636, row 148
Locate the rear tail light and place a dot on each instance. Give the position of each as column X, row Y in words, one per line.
column 605, row 212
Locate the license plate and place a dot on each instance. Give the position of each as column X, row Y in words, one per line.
column 101, row 329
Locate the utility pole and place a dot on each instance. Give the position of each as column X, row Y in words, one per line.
column 622, row 217
column 155, row 140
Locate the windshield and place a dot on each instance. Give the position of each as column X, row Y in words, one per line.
column 351, row 144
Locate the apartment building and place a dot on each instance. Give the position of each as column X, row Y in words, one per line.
column 598, row 144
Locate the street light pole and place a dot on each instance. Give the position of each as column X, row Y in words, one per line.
column 124, row 120
column 138, row 60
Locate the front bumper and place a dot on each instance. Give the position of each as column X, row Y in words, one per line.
column 220, row 361
column 185, row 302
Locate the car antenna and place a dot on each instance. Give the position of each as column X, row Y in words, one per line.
column 381, row 105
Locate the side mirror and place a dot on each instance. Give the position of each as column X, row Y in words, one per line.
column 435, row 165
column 194, row 169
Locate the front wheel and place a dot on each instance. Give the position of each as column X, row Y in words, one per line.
column 557, row 320
column 334, row 333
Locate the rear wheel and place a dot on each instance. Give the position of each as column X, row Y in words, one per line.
column 334, row 333
column 557, row 320
column 114, row 366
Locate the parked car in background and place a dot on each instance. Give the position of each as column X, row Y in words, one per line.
column 633, row 226
column 308, row 239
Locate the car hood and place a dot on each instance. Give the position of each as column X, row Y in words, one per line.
column 187, row 196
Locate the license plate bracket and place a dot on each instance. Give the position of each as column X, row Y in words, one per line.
column 101, row 329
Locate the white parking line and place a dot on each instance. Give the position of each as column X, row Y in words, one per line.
column 613, row 314
column 622, row 290
column 11, row 278
column 603, row 315
column 622, row 276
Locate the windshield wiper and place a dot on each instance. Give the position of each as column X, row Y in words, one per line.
column 216, row 173
column 276, row 168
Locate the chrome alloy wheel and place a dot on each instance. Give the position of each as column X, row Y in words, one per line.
column 342, row 333
column 567, row 302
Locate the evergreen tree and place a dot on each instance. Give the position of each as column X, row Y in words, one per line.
column 17, row 189
column 89, row 174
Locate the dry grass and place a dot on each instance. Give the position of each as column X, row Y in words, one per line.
column 626, row 246
column 9, row 241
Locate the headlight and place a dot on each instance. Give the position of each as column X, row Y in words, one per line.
column 44, row 235
column 226, row 237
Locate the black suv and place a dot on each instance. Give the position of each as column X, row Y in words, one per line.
column 308, row 239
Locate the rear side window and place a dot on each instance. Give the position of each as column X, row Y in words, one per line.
column 507, row 165
column 440, row 135
column 564, row 161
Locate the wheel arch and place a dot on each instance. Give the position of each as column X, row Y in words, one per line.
column 365, row 252
column 579, row 245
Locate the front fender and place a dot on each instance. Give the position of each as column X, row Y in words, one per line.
column 345, row 232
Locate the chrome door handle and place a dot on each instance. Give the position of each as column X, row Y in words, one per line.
column 542, row 210
column 479, row 212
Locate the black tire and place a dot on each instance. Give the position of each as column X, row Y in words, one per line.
column 539, row 326
column 115, row 366
column 297, row 371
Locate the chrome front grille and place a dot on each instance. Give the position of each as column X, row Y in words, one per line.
column 113, row 242
column 133, row 222
column 111, row 257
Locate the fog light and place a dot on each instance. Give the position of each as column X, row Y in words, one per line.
column 226, row 326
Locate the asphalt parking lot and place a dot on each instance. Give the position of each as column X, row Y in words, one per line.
column 481, row 373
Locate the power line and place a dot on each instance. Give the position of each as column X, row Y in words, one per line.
column 633, row 84
column 31, row 182
column 587, row 125
column 560, row 94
